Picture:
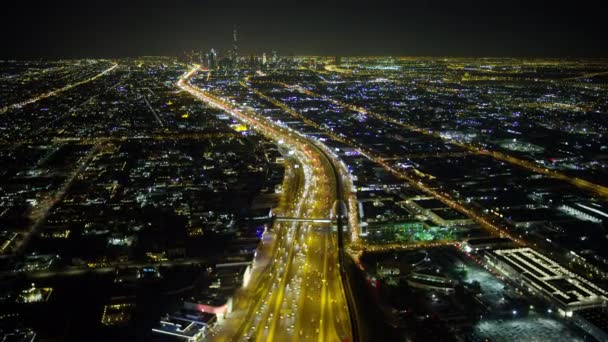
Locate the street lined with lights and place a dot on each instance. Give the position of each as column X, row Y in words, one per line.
column 57, row 91
column 299, row 295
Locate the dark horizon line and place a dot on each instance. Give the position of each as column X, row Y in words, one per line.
column 554, row 57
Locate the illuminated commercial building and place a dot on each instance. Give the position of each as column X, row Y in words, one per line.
column 429, row 281
column 485, row 243
column 586, row 211
column 181, row 329
column 34, row 294
column 117, row 313
column 217, row 299
column 439, row 213
column 545, row 277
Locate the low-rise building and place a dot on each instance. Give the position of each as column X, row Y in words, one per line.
column 180, row 329
column 545, row 277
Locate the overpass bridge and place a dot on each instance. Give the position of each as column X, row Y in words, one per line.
column 300, row 219
column 338, row 212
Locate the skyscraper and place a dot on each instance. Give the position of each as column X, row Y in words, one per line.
column 274, row 57
column 235, row 48
column 211, row 59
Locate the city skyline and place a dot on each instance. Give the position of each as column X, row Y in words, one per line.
column 112, row 29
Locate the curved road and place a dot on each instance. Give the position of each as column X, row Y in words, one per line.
column 296, row 292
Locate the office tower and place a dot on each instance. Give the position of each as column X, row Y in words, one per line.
column 274, row 57
column 235, row 48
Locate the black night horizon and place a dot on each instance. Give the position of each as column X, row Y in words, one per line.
column 96, row 29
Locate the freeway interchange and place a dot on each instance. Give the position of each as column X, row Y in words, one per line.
column 296, row 291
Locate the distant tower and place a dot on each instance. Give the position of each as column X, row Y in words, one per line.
column 235, row 47
column 274, row 56
column 211, row 59
column 264, row 61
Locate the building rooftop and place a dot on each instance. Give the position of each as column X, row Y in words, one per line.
column 180, row 327
column 546, row 275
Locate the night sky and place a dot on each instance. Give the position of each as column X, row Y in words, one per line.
column 91, row 28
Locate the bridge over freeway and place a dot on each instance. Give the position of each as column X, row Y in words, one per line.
column 300, row 219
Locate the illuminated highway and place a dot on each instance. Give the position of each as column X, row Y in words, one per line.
column 486, row 221
column 578, row 182
column 381, row 160
column 348, row 187
column 296, row 290
column 57, row 91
